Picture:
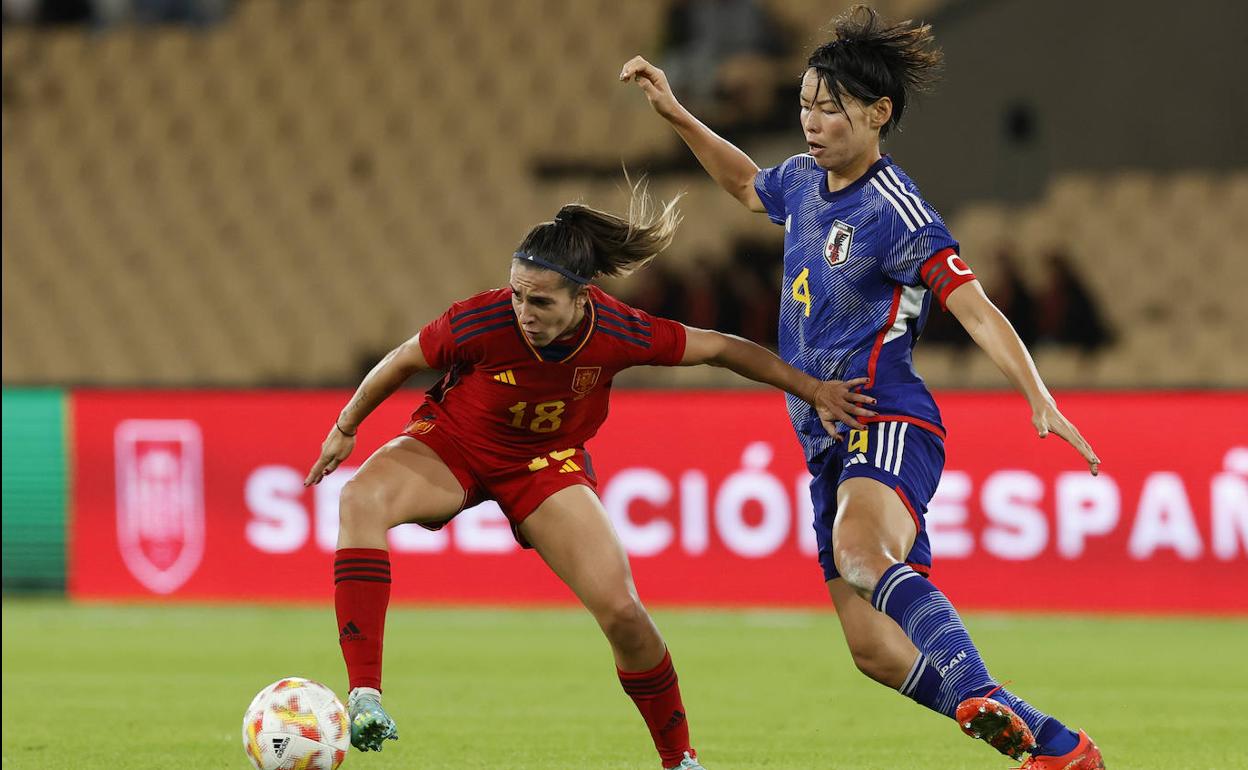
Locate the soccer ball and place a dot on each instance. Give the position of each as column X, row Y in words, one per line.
column 295, row 723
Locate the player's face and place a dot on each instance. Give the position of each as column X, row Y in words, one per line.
column 544, row 305
column 835, row 138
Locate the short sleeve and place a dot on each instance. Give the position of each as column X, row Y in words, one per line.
column 437, row 343
column 667, row 341
column 772, row 183
column 644, row 339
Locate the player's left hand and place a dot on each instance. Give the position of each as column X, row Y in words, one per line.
column 835, row 401
column 336, row 448
column 1048, row 419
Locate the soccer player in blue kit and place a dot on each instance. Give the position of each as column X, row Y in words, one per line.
column 864, row 258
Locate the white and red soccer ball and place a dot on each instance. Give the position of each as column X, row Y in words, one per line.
column 296, row 724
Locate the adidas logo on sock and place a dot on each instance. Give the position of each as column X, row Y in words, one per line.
column 350, row 633
column 279, row 746
column 677, row 718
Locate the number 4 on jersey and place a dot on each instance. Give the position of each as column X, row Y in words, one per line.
column 801, row 289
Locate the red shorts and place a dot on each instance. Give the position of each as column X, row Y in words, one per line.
column 518, row 487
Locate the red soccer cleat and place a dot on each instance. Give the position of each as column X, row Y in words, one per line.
column 1084, row 756
column 996, row 723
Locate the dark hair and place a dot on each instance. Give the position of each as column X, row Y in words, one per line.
column 589, row 243
column 870, row 59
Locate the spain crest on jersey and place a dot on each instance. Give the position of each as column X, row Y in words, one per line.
column 584, row 379
column 840, row 238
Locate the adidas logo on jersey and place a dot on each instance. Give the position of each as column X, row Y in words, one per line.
column 570, row 467
column 507, row 378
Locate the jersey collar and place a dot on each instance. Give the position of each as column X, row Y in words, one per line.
column 588, row 323
column 841, row 194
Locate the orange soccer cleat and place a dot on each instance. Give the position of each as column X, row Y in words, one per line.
column 1084, row 756
column 996, row 723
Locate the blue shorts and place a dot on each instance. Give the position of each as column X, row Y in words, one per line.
column 900, row 455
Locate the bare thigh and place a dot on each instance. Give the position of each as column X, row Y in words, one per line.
column 573, row 535
column 873, row 531
column 403, row 481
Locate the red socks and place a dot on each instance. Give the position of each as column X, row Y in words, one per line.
column 361, row 593
column 657, row 695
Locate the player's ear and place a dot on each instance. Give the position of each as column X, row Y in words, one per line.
column 879, row 112
column 582, row 298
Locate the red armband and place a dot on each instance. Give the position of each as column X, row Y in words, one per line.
column 943, row 272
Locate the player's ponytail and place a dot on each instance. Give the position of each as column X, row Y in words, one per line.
column 870, row 59
column 583, row 243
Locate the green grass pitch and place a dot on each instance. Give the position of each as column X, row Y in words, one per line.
column 150, row 686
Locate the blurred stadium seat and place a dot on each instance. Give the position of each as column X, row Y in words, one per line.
column 265, row 201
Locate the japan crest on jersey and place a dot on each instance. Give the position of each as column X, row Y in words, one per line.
column 160, row 500
column 840, row 237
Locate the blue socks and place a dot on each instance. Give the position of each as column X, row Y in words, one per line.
column 949, row 669
column 922, row 685
column 934, row 627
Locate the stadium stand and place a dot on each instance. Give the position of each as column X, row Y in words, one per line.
column 261, row 202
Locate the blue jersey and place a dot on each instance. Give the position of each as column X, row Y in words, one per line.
column 861, row 266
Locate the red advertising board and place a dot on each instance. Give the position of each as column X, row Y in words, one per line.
column 199, row 496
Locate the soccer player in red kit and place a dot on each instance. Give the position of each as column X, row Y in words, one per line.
column 528, row 371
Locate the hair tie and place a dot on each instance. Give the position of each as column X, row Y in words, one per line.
column 566, row 273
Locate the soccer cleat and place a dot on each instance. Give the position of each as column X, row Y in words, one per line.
column 997, row 724
column 370, row 724
column 690, row 762
column 1084, row 756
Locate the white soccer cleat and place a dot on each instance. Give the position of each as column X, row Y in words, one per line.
column 688, row 763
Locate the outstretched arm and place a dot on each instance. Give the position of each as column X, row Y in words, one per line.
column 385, row 378
column 834, row 400
column 731, row 168
column 993, row 332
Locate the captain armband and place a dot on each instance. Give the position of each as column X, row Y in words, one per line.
column 943, row 272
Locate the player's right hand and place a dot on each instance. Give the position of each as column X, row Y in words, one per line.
column 654, row 83
column 336, row 448
column 1047, row 419
column 835, row 401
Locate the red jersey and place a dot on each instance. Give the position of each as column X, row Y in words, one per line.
column 505, row 399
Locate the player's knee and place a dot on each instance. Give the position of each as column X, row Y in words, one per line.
column 360, row 506
column 627, row 625
column 861, row 569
